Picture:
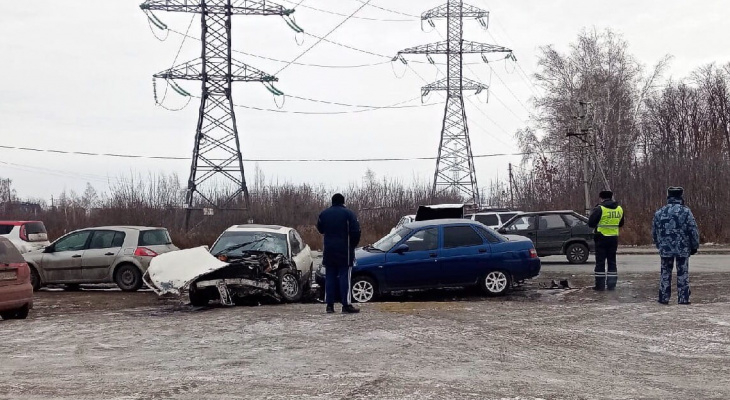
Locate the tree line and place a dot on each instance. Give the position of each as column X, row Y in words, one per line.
column 642, row 130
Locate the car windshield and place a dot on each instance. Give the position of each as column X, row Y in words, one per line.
column 387, row 243
column 235, row 243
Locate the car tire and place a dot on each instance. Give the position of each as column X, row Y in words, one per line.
column 496, row 283
column 128, row 278
column 35, row 279
column 288, row 286
column 577, row 253
column 363, row 289
column 72, row 287
column 21, row 313
column 198, row 298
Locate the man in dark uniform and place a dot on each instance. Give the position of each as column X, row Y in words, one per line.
column 676, row 236
column 341, row 232
column 606, row 218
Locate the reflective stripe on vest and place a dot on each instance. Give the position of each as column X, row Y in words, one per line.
column 610, row 219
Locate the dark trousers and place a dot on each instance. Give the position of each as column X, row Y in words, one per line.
column 337, row 285
column 606, row 247
column 665, row 284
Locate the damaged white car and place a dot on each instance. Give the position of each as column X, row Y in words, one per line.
column 246, row 261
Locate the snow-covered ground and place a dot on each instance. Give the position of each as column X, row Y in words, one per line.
column 533, row 344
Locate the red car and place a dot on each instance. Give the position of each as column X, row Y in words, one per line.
column 16, row 292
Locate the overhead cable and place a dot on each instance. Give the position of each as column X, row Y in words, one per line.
column 323, row 38
column 303, row 160
column 356, row 17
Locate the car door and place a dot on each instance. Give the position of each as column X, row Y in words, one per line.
column 417, row 267
column 98, row 258
column 552, row 233
column 300, row 253
column 462, row 251
column 63, row 262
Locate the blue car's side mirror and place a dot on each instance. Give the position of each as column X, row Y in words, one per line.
column 403, row 248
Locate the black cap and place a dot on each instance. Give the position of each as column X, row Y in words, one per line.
column 675, row 191
column 338, row 199
column 606, row 194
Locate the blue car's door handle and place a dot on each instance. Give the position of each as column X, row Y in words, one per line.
column 482, row 250
column 433, row 255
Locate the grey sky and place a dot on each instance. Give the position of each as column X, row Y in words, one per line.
column 76, row 75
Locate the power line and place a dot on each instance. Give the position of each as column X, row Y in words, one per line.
column 323, row 38
column 378, row 159
column 373, row 108
column 285, row 61
column 344, row 15
column 393, row 11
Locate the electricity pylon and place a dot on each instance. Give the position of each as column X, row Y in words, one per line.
column 455, row 164
column 217, row 150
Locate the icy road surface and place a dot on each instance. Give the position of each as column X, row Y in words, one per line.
column 533, row 344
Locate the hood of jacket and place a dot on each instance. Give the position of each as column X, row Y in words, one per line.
column 612, row 204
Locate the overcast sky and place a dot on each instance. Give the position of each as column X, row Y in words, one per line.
column 76, row 75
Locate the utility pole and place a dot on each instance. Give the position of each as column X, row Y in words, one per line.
column 455, row 164
column 511, row 192
column 217, row 149
column 583, row 130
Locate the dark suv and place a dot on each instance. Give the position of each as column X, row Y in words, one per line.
column 554, row 233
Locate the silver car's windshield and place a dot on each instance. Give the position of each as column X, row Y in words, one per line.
column 387, row 243
column 259, row 241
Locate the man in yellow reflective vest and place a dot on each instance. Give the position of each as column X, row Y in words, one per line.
column 606, row 218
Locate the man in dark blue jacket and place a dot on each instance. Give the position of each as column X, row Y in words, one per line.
column 676, row 236
column 341, row 232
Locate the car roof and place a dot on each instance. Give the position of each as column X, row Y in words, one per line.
column 259, row 228
column 498, row 212
column 548, row 212
column 118, row 227
column 448, row 221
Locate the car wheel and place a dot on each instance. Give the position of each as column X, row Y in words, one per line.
column 496, row 283
column 577, row 253
column 288, row 286
column 128, row 278
column 364, row 289
column 35, row 279
column 72, row 287
column 198, row 298
column 22, row 313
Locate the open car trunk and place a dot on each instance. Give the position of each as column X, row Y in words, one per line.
column 199, row 278
column 440, row 211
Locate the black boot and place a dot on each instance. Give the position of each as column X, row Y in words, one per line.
column 330, row 308
column 350, row 309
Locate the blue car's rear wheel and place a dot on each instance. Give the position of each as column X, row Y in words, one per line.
column 496, row 283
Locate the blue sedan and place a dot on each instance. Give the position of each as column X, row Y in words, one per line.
column 442, row 253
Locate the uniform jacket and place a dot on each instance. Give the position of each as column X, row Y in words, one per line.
column 341, row 232
column 595, row 218
column 675, row 230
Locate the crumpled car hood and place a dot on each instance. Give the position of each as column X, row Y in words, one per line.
column 171, row 273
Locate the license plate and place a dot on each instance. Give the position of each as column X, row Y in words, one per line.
column 8, row 275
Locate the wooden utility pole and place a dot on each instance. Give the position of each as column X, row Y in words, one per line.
column 511, row 192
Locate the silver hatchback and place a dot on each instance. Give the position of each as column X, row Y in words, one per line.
column 110, row 254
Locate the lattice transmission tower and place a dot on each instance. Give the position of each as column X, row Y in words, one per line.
column 217, row 150
column 455, row 164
